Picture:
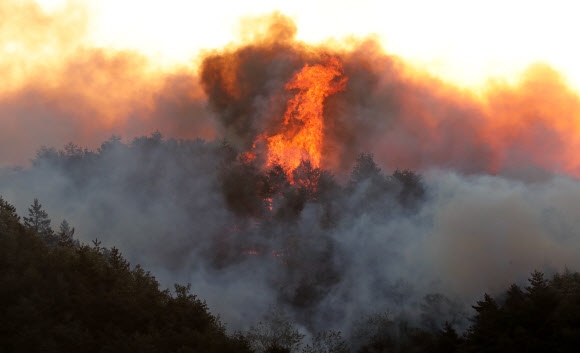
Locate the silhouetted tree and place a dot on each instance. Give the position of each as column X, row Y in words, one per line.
column 484, row 331
column 65, row 234
column 411, row 190
column 46, row 156
column 275, row 334
column 365, row 168
column 447, row 340
column 39, row 222
column 276, row 181
column 7, row 213
column 88, row 299
column 306, row 179
column 243, row 185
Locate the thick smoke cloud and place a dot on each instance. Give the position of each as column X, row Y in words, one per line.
column 162, row 203
column 408, row 119
column 56, row 89
column 498, row 172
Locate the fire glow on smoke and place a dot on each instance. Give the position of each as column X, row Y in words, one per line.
column 277, row 100
column 261, row 98
column 302, row 133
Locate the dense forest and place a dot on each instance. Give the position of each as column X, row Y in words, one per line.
column 60, row 295
column 319, row 260
column 209, row 204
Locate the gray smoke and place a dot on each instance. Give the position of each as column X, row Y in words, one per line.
column 472, row 234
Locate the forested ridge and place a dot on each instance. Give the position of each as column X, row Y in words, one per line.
column 63, row 293
column 62, row 296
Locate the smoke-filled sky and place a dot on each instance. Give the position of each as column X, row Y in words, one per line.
column 480, row 98
column 465, row 41
column 83, row 71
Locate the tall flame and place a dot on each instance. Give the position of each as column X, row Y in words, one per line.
column 302, row 133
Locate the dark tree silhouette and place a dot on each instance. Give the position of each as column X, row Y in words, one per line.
column 65, row 234
column 365, row 168
column 89, row 299
column 39, row 222
column 275, row 334
column 412, row 190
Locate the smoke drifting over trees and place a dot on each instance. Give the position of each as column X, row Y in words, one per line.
column 422, row 188
column 325, row 249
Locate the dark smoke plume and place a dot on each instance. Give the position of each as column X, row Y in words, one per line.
column 408, row 119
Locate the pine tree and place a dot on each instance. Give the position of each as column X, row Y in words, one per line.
column 39, row 222
column 8, row 216
column 65, row 234
column 364, row 169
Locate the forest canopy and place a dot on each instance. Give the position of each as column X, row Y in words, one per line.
column 63, row 296
column 65, row 291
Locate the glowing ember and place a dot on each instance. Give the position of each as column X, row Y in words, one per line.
column 269, row 203
column 302, row 133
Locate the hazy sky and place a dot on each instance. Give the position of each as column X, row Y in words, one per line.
column 84, row 71
column 466, row 41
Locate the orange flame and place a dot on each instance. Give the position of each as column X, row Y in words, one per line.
column 301, row 138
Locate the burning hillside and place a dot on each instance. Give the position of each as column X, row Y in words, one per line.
column 331, row 179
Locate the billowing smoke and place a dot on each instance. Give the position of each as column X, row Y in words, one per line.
column 408, row 119
column 56, row 89
column 497, row 196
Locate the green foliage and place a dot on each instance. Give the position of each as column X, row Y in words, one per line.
column 39, row 222
column 64, row 298
column 543, row 318
column 68, row 297
column 262, row 208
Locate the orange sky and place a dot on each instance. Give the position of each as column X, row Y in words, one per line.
column 462, row 41
column 81, row 71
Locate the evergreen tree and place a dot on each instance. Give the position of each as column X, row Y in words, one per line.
column 39, row 222
column 447, row 340
column 65, row 234
column 411, row 188
column 7, row 213
column 364, row 169
column 88, row 299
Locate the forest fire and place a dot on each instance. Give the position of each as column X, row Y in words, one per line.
column 301, row 138
column 278, row 100
column 327, row 178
